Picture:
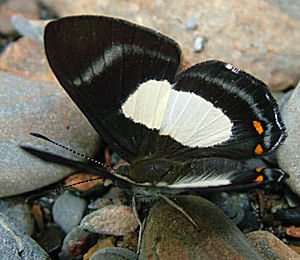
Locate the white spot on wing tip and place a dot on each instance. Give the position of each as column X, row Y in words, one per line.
column 228, row 66
column 233, row 69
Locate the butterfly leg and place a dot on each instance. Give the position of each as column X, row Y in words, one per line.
column 141, row 225
column 174, row 205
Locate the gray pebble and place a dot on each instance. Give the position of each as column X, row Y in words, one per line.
column 28, row 105
column 29, row 27
column 288, row 153
column 192, row 24
column 14, row 244
column 68, row 211
column 199, row 44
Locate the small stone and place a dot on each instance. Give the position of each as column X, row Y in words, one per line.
column 38, row 217
column 192, row 24
column 27, row 57
column 15, row 244
column 168, row 234
column 114, row 253
column 77, row 243
column 293, row 231
column 270, row 247
column 68, row 211
column 112, row 220
column 29, row 27
column 199, row 44
column 103, row 243
column 288, row 153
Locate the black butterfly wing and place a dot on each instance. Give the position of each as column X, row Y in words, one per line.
column 242, row 119
column 210, row 110
column 100, row 61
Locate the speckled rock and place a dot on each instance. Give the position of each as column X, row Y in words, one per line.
column 270, row 247
column 68, row 211
column 169, row 235
column 37, row 106
column 112, row 219
column 262, row 44
column 14, row 244
column 288, row 153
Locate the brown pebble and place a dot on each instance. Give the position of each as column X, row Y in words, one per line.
column 270, row 247
column 106, row 242
column 293, row 231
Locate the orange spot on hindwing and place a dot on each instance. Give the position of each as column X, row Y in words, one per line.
column 259, row 150
column 258, row 127
column 259, row 178
column 259, row 169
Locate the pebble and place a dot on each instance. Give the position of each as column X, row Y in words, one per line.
column 68, row 211
column 30, row 28
column 293, row 231
column 191, row 24
column 114, row 253
column 169, row 235
column 77, row 243
column 28, row 105
column 15, row 244
column 111, row 220
column 288, row 154
column 102, row 243
column 199, row 44
column 270, row 247
column 16, row 209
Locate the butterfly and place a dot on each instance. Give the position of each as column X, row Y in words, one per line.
column 179, row 130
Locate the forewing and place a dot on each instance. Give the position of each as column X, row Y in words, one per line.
column 100, row 61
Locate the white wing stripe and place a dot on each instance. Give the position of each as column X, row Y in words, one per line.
column 178, row 114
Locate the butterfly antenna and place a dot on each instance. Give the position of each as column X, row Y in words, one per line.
column 66, row 187
column 71, row 150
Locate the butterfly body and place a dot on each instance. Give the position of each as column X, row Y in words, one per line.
column 179, row 130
